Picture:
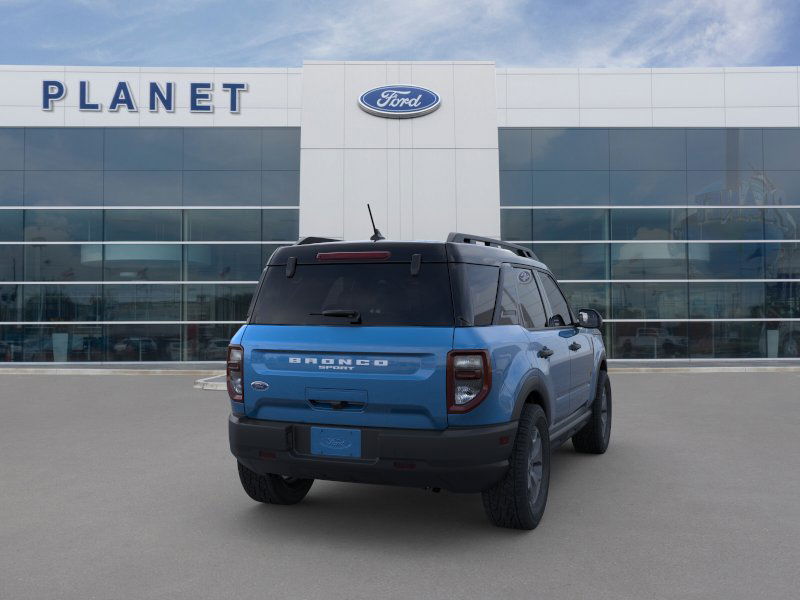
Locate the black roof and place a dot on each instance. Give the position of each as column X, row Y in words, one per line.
column 402, row 252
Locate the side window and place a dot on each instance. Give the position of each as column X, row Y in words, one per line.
column 557, row 301
column 530, row 301
column 507, row 304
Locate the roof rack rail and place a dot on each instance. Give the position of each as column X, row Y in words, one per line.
column 466, row 238
column 315, row 240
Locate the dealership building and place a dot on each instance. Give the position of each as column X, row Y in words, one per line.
column 138, row 206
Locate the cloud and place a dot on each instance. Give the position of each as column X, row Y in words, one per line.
column 587, row 33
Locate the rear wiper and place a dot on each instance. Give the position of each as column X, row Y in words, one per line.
column 353, row 315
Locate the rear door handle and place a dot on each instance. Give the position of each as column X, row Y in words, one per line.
column 545, row 353
column 574, row 346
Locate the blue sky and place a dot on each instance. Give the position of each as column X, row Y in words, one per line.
column 586, row 33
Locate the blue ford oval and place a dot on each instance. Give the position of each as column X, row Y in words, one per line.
column 399, row 101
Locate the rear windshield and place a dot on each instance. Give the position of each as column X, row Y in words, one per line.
column 382, row 294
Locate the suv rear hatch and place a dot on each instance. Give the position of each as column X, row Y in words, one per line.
column 351, row 336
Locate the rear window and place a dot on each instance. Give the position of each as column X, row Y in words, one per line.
column 475, row 292
column 383, row 294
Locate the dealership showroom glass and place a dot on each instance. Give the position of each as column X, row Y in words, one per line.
column 138, row 206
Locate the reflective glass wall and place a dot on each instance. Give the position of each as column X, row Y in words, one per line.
column 685, row 240
column 137, row 244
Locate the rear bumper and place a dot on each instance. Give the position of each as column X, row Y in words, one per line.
column 458, row 459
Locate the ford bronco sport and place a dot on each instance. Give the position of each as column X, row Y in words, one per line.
column 456, row 365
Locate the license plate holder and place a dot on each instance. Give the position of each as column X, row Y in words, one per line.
column 334, row 441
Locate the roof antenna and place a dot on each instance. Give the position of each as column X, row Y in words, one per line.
column 377, row 235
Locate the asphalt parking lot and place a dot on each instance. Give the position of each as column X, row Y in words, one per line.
column 123, row 487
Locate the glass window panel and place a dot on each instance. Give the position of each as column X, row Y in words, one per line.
column 11, row 339
column 153, row 262
column 280, row 188
column 649, row 224
column 280, row 147
column 235, row 262
column 63, row 262
column 783, row 187
column 530, row 300
column 221, row 188
column 142, row 225
column 10, row 307
column 726, row 300
column 142, row 188
column 222, row 225
column 636, row 300
column 648, row 149
column 570, row 149
column 208, row 342
column 218, row 302
column 559, row 308
column 579, row 224
column 280, row 224
column 11, row 263
column 587, row 295
column 726, row 224
column 516, row 188
column 648, row 187
column 783, row 299
column 11, row 190
column 63, row 225
column 783, row 341
column 142, row 302
column 64, row 188
column 724, row 149
column 648, row 261
column 726, row 261
column 575, row 261
column 781, row 223
column 62, row 343
column 12, row 148
column 730, row 188
column 509, row 308
column 63, row 148
column 727, row 340
column 570, row 187
column 143, row 148
column 516, row 224
column 782, row 261
column 143, row 342
column 782, row 148
column 221, row 148
column 514, row 149
column 650, row 339
column 10, row 225
column 62, row 302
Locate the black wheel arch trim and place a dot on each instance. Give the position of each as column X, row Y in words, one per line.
column 534, row 383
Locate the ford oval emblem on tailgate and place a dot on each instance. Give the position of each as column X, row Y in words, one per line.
column 259, row 385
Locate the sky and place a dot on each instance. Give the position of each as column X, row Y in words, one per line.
column 566, row 33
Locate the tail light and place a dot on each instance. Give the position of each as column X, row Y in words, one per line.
column 233, row 373
column 469, row 378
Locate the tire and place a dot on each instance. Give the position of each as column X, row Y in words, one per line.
column 518, row 500
column 273, row 489
column 595, row 435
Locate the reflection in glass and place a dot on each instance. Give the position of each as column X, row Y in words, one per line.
column 63, row 225
column 724, row 149
column 516, row 224
column 233, row 262
column 515, row 149
column 142, row 225
column 63, row 148
column 556, row 224
column 10, row 304
column 783, row 299
column 280, row 188
column 782, row 148
column 63, row 262
column 11, row 263
column 10, row 226
column 783, row 340
column 218, row 302
column 208, row 342
column 280, row 225
column 12, row 148
column 63, row 188
column 221, row 188
column 648, row 187
column 11, row 188
column 280, row 148
column 62, row 343
column 143, row 148
column 648, row 261
column 731, row 188
column 588, row 295
column 727, row 340
column 649, row 224
column 638, row 300
column 650, row 339
column 575, row 261
column 516, row 188
column 726, row 300
column 726, row 224
column 143, row 342
column 726, row 261
column 61, row 303
column 222, row 225
column 648, row 149
column 570, row 149
column 782, row 260
column 147, row 262
column 557, row 188
column 142, row 302
column 222, row 148
column 142, row 188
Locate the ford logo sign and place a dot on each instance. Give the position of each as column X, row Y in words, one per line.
column 399, row 101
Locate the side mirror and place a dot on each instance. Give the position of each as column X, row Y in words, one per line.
column 589, row 318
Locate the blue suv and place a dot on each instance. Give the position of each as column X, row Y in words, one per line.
column 456, row 365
